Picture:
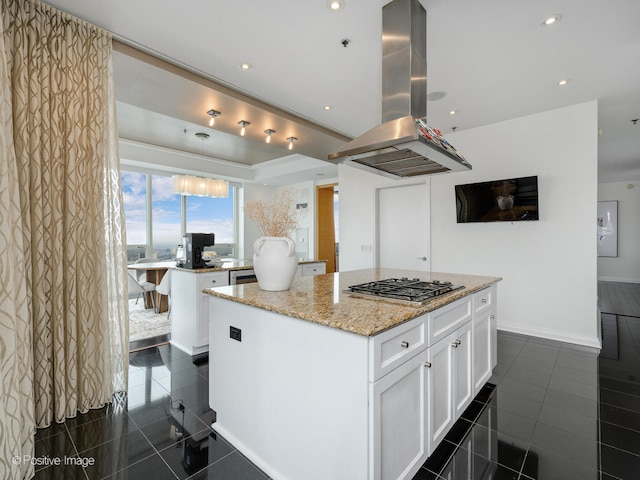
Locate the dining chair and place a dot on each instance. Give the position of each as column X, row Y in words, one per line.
column 141, row 274
column 141, row 288
column 164, row 288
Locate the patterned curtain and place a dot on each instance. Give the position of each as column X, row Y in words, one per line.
column 63, row 309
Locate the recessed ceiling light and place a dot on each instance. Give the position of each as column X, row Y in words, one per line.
column 452, row 112
column 551, row 20
column 563, row 82
column 246, row 66
column 435, row 96
column 335, row 5
column 327, row 107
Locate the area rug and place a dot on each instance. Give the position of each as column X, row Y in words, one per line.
column 145, row 323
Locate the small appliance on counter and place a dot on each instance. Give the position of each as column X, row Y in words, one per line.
column 181, row 258
column 194, row 244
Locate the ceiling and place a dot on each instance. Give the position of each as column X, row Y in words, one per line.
column 493, row 60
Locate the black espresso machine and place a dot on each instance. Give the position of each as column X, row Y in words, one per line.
column 193, row 244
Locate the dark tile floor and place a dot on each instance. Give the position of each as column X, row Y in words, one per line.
column 551, row 411
column 160, row 431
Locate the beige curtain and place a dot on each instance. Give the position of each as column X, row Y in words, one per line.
column 64, row 342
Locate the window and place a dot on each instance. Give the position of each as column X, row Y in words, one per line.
column 154, row 215
column 165, row 218
column 206, row 215
column 134, row 193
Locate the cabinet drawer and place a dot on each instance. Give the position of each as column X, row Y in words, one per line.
column 484, row 300
column 445, row 320
column 314, row 269
column 392, row 348
column 213, row 279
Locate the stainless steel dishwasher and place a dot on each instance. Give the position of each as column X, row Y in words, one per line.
column 236, row 277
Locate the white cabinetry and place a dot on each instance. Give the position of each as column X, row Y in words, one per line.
column 399, row 403
column 451, row 384
column 319, row 268
column 425, row 370
column 422, row 371
column 316, row 268
column 484, row 336
column 190, row 308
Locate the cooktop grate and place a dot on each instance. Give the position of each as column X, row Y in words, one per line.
column 413, row 291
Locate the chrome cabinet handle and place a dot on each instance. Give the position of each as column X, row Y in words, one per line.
column 404, row 344
column 492, row 317
column 456, row 343
column 427, row 364
column 424, row 259
column 484, row 300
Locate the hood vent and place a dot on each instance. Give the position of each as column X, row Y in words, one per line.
column 404, row 145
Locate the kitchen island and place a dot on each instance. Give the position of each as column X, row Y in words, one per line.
column 315, row 383
column 190, row 309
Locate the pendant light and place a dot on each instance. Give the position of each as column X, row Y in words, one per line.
column 291, row 140
column 191, row 185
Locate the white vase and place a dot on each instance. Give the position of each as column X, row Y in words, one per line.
column 505, row 202
column 274, row 262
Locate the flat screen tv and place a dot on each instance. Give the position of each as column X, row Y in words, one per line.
column 509, row 200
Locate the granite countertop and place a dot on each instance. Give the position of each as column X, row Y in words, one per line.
column 322, row 298
column 235, row 264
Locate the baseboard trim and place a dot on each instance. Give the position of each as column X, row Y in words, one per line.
column 558, row 335
column 617, row 279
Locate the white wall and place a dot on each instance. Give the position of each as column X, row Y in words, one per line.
column 548, row 266
column 357, row 214
column 626, row 266
column 249, row 232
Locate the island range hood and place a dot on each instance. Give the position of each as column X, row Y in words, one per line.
column 404, row 145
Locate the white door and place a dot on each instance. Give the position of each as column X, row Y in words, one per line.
column 403, row 227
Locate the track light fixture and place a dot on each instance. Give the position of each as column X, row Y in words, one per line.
column 213, row 114
column 244, row 124
column 269, row 132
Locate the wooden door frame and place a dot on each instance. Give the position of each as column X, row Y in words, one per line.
column 319, row 221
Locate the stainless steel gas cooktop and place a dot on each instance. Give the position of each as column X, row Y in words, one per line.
column 403, row 290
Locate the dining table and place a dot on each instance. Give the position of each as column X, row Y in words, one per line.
column 154, row 272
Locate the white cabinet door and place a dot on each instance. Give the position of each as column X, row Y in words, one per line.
column 399, row 403
column 482, row 350
column 205, row 280
column 450, row 383
column 440, row 391
column 463, row 375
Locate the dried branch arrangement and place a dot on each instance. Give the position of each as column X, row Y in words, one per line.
column 276, row 218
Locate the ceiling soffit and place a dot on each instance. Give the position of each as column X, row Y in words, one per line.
column 149, row 90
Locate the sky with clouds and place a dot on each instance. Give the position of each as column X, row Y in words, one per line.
column 204, row 214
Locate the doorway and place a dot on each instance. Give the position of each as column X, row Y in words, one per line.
column 402, row 227
column 327, row 220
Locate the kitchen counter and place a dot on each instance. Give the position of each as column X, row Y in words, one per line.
column 322, row 299
column 235, row 264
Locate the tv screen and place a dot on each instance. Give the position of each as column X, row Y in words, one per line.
column 509, row 200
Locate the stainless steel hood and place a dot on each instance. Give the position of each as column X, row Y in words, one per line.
column 404, row 145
